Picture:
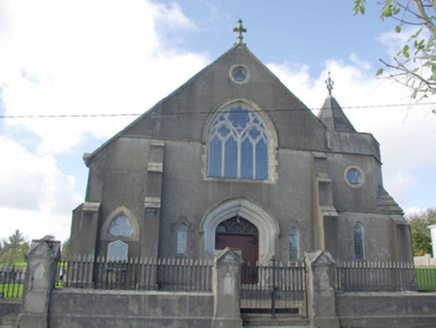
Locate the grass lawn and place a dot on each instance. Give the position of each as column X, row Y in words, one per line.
column 425, row 278
column 11, row 291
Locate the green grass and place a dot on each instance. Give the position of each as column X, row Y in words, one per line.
column 12, row 291
column 425, row 278
column 15, row 265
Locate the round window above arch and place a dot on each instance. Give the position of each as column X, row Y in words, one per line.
column 239, row 74
column 354, row 176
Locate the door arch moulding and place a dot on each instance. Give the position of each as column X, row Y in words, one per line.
column 267, row 226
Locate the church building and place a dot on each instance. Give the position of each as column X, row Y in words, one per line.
column 234, row 158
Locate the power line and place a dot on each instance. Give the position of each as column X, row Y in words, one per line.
column 45, row 116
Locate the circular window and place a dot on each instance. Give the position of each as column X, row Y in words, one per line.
column 354, row 176
column 239, row 74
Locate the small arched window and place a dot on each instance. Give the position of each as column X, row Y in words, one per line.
column 358, row 242
column 293, row 244
column 182, row 239
column 238, row 145
column 120, row 227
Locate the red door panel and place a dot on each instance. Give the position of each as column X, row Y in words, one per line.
column 248, row 244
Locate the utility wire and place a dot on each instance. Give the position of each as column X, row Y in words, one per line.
column 42, row 116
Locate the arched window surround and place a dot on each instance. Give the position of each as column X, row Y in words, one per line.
column 121, row 210
column 272, row 142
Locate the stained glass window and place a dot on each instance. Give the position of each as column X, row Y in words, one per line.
column 121, row 227
column 236, row 225
column 182, row 239
column 293, row 244
column 238, row 145
column 358, row 242
column 353, row 176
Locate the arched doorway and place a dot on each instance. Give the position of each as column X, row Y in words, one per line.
column 240, row 233
column 266, row 225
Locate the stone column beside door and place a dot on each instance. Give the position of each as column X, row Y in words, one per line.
column 226, row 285
column 40, row 280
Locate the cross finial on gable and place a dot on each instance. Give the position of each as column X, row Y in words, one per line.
column 329, row 82
column 240, row 29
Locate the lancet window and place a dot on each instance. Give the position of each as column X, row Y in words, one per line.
column 358, row 242
column 182, row 239
column 293, row 244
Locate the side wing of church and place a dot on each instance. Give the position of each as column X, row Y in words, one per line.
column 233, row 158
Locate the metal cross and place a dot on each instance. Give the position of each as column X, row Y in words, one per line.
column 240, row 29
column 329, row 82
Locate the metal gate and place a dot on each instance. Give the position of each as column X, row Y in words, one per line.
column 280, row 289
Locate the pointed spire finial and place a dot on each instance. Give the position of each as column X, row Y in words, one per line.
column 240, row 29
column 329, row 82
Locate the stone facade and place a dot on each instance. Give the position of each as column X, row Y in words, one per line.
column 234, row 143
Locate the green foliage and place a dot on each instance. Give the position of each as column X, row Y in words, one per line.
column 425, row 278
column 14, row 250
column 421, row 239
column 415, row 64
column 11, row 291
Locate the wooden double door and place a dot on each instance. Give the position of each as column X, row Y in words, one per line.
column 240, row 233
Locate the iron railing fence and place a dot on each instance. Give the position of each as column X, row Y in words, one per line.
column 375, row 276
column 278, row 288
column 425, row 278
column 136, row 274
column 12, row 282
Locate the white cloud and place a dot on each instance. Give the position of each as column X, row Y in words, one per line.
column 406, row 133
column 81, row 57
column 35, row 196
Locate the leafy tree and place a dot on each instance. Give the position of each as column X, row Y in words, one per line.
column 14, row 250
column 415, row 63
column 421, row 238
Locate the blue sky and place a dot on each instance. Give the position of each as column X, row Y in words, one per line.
column 61, row 57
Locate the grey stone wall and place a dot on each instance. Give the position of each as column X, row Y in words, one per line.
column 9, row 310
column 72, row 308
column 382, row 309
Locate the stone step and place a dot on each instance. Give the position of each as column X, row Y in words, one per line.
column 280, row 322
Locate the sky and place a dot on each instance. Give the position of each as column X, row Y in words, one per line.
column 102, row 57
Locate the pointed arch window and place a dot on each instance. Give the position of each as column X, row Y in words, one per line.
column 121, row 227
column 182, row 239
column 293, row 244
column 238, row 145
column 358, row 242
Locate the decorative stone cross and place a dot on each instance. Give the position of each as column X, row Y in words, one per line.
column 240, row 29
column 329, row 82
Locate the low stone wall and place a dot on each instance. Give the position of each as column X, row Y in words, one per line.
column 9, row 310
column 77, row 308
column 424, row 261
column 386, row 309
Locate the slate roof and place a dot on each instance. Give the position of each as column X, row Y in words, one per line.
column 334, row 118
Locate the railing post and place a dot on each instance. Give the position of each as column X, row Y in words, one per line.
column 274, row 287
column 226, row 285
column 40, row 280
column 321, row 271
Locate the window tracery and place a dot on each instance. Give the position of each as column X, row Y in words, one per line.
column 238, row 145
